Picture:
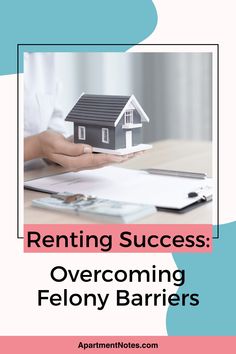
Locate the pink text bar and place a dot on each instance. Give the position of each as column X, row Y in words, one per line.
column 119, row 238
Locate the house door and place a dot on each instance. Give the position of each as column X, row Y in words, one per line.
column 128, row 138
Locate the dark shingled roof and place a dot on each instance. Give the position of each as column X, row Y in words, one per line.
column 97, row 109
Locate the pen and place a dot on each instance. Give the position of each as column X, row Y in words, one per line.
column 173, row 173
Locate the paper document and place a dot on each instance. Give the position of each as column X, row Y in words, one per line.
column 132, row 186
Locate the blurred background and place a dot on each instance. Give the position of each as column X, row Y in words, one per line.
column 174, row 89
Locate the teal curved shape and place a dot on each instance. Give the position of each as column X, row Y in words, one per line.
column 72, row 21
column 213, row 276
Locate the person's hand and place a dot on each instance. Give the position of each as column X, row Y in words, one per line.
column 74, row 157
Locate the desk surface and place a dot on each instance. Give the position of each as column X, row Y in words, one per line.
column 168, row 154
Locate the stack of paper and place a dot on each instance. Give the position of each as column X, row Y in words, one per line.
column 131, row 186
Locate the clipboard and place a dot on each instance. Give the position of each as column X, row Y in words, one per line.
column 190, row 207
column 166, row 193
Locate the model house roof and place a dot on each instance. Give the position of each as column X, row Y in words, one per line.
column 100, row 109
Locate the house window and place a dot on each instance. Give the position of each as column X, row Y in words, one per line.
column 129, row 117
column 82, row 133
column 105, row 135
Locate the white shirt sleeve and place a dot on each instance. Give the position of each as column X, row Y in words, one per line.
column 42, row 109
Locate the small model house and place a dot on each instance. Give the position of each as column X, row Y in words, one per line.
column 110, row 124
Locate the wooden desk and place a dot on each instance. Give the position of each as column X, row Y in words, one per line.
column 168, row 154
